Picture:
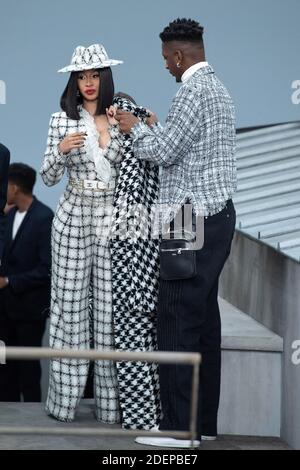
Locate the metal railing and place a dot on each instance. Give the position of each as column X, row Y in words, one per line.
column 159, row 357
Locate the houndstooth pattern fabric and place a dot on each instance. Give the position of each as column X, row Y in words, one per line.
column 138, row 381
column 135, row 273
column 135, row 256
column 196, row 148
column 80, row 265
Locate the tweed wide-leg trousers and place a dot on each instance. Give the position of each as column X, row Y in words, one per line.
column 81, row 267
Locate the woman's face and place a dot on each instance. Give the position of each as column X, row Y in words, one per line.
column 88, row 83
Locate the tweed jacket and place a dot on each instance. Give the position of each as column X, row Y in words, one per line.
column 196, row 148
column 77, row 162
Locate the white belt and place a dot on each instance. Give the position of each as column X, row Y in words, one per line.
column 92, row 185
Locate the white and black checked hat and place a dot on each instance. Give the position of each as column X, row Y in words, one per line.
column 92, row 57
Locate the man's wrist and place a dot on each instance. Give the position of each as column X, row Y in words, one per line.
column 138, row 129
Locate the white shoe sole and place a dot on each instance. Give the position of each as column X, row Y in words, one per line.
column 166, row 442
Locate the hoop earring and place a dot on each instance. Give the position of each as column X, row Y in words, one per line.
column 178, row 65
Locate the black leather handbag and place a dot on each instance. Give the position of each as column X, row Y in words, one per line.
column 177, row 259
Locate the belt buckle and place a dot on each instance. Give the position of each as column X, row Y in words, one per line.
column 101, row 186
column 96, row 185
column 89, row 184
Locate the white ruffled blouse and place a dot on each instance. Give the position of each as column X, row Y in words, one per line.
column 94, row 152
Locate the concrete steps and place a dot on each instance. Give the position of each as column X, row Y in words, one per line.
column 25, row 414
column 251, row 376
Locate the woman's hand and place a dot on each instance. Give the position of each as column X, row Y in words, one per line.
column 72, row 141
column 110, row 114
column 152, row 119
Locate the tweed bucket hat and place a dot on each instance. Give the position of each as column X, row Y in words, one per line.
column 92, row 57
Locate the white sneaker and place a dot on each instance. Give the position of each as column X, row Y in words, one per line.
column 166, row 442
column 208, row 438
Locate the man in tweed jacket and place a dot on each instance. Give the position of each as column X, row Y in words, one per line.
column 196, row 153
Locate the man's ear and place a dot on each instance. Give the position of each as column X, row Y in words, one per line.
column 178, row 56
column 15, row 188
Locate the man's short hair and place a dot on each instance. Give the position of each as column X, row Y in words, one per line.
column 183, row 29
column 23, row 176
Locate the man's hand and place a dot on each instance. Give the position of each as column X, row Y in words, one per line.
column 8, row 208
column 126, row 121
column 152, row 119
column 3, row 282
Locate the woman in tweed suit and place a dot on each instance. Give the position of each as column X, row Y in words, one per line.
column 83, row 139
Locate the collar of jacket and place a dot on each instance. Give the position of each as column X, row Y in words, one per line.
column 202, row 71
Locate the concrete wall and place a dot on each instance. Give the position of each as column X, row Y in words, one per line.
column 250, row 397
column 265, row 285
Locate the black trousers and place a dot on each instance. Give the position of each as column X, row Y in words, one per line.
column 21, row 379
column 189, row 321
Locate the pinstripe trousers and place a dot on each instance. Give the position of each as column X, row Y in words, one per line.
column 189, row 321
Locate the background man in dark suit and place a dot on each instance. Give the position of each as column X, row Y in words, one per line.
column 4, row 163
column 24, row 283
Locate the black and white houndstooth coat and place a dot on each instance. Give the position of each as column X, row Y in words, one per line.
column 135, row 277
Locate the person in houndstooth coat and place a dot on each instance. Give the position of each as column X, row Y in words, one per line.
column 84, row 140
column 135, row 280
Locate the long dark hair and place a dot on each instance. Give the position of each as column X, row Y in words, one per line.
column 71, row 99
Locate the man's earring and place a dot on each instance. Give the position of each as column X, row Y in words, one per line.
column 178, row 65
